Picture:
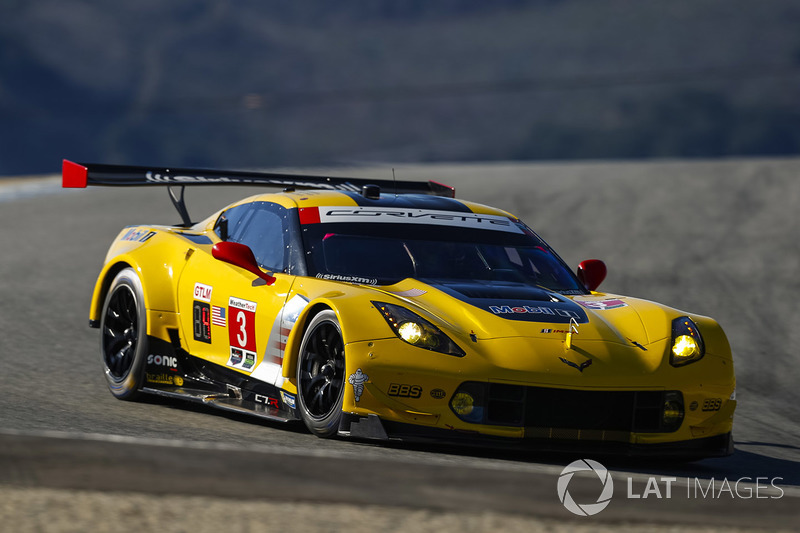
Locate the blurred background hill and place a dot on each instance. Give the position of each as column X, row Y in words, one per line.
column 284, row 83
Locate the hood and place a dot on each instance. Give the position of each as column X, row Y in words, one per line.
column 492, row 310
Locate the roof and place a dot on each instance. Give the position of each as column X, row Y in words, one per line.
column 322, row 198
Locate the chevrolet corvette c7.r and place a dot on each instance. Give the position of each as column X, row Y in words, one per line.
column 390, row 310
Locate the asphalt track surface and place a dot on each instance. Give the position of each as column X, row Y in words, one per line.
column 718, row 238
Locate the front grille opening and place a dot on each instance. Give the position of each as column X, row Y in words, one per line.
column 573, row 409
column 505, row 405
column 543, row 410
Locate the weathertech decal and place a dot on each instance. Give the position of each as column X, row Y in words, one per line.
column 242, row 333
column 244, row 305
column 602, row 305
column 393, row 215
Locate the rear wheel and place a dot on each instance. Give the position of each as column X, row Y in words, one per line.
column 123, row 338
column 320, row 375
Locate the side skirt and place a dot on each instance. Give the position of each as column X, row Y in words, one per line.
column 172, row 372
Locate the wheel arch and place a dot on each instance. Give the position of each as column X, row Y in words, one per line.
column 295, row 339
column 102, row 286
column 357, row 321
column 159, row 283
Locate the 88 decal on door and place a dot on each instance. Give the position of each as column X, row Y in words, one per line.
column 242, row 333
column 202, row 322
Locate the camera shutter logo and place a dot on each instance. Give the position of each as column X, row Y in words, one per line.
column 586, row 509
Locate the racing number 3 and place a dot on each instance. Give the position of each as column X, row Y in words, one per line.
column 242, row 324
column 241, row 338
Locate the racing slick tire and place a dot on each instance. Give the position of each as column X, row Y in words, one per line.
column 123, row 337
column 320, row 375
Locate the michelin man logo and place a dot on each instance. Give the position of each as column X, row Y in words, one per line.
column 586, row 509
column 357, row 380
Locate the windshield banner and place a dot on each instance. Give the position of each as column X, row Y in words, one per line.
column 394, row 215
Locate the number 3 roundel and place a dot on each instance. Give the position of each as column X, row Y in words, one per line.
column 242, row 324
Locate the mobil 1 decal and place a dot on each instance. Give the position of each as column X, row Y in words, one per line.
column 242, row 333
column 202, row 322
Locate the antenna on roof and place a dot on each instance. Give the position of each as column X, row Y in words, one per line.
column 394, row 180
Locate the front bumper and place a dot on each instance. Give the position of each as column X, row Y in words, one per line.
column 409, row 393
column 373, row 428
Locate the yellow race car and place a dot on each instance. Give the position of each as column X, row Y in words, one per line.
column 390, row 310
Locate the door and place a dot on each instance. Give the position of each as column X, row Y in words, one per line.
column 229, row 316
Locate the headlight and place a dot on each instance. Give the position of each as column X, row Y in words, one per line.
column 417, row 331
column 687, row 343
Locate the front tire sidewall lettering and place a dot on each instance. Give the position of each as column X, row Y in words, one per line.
column 125, row 384
column 326, row 424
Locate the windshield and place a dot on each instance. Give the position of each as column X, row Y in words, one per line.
column 382, row 254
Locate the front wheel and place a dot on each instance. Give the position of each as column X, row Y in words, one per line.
column 320, row 375
column 123, row 338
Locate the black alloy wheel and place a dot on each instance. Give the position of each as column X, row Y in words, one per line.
column 120, row 332
column 123, row 337
column 320, row 375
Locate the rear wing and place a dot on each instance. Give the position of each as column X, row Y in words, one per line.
column 81, row 175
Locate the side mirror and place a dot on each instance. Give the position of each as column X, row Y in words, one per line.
column 240, row 255
column 591, row 273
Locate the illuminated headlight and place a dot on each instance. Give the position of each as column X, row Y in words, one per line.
column 417, row 331
column 411, row 332
column 685, row 347
column 687, row 343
